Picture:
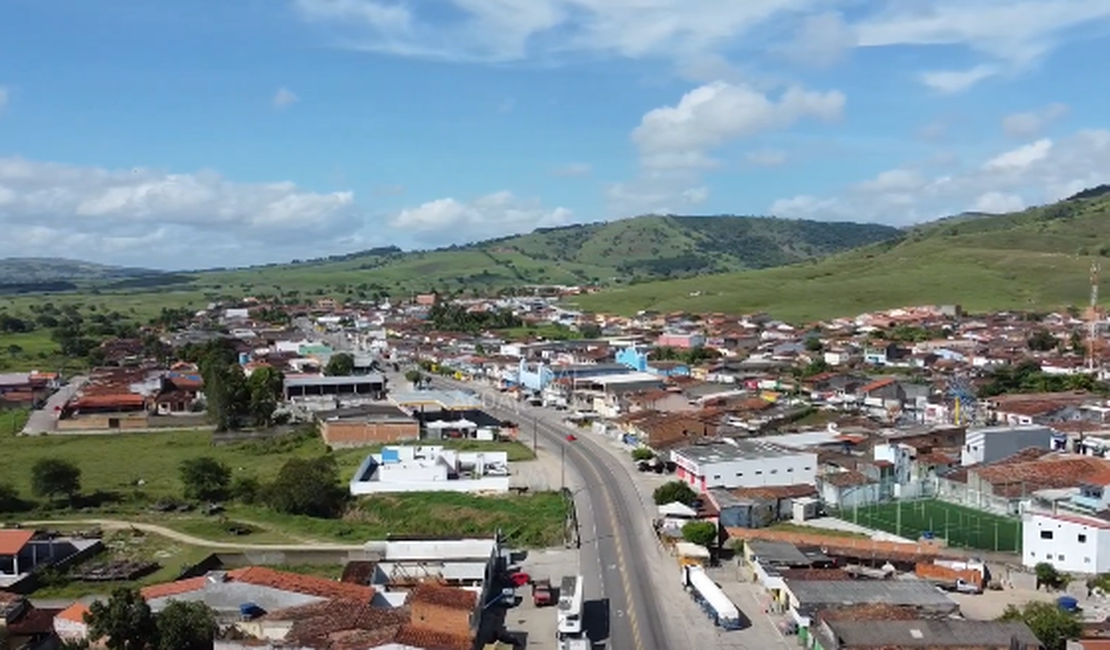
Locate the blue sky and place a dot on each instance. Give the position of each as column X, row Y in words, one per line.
column 222, row 132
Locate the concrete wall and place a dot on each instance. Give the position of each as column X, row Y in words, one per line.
column 123, row 421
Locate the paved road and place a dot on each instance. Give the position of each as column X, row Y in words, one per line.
column 616, row 533
column 43, row 420
column 119, row 524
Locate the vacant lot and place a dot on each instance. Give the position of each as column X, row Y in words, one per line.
column 172, row 557
column 124, row 473
column 962, row 527
column 144, row 466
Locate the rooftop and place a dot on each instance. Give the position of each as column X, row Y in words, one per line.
column 723, row 452
column 914, row 593
column 931, row 633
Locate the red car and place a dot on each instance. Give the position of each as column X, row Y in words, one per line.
column 520, row 579
column 571, row 437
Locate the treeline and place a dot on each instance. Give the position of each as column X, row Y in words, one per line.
column 234, row 400
column 1027, row 377
column 457, row 318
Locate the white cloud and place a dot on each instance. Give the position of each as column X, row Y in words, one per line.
column 1039, row 172
column 822, row 40
column 573, row 170
column 1005, row 35
column 955, row 81
column 1015, row 31
column 1032, row 123
column 151, row 217
column 3, row 98
column 766, row 157
column 661, row 196
column 285, row 97
column 1022, row 157
column 682, row 136
column 452, row 221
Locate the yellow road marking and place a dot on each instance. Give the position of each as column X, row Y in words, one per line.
column 618, row 538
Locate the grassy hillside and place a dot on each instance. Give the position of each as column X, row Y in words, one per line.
column 1035, row 259
column 637, row 249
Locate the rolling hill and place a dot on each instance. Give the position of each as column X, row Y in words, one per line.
column 1036, row 259
column 640, row 248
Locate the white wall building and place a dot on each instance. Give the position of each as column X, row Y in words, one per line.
column 992, row 444
column 743, row 463
column 1073, row 543
column 430, row 468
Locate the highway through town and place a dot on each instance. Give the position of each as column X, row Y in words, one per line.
column 617, row 540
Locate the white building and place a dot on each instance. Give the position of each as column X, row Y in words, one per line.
column 995, row 443
column 431, row 469
column 1073, row 543
column 743, row 464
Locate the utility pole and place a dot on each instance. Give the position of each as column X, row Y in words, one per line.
column 563, row 467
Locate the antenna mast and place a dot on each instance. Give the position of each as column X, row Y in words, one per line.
column 1092, row 317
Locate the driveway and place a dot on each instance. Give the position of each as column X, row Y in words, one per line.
column 44, row 420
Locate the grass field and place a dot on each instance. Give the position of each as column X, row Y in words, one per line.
column 962, row 527
column 32, row 351
column 12, row 421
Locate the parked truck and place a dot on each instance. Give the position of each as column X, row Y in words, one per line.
column 541, row 592
column 966, row 577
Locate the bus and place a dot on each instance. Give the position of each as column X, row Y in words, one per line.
column 570, row 607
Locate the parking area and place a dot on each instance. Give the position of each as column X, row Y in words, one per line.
column 534, row 627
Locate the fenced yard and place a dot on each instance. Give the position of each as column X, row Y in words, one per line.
column 962, row 527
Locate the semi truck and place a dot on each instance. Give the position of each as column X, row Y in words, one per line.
column 712, row 600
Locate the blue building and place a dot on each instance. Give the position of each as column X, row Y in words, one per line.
column 637, row 359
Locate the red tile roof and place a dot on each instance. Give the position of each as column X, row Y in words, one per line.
column 443, row 596
column 13, row 541
column 267, row 577
column 75, row 613
column 877, row 384
column 115, row 399
column 418, row 637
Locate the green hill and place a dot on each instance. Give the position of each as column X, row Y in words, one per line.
column 641, row 248
column 1037, row 259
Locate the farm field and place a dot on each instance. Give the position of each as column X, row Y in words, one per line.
column 962, row 527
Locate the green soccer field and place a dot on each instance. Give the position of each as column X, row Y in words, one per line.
column 962, row 527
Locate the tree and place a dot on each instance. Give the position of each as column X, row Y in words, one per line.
column 51, row 477
column 307, row 487
column 674, row 491
column 185, row 626
column 1049, row 577
column 1052, row 625
column 264, row 387
column 702, row 533
column 814, row 344
column 1042, row 341
column 226, row 392
column 205, row 479
column 642, row 453
column 414, row 377
column 340, row 365
column 10, row 501
column 125, row 621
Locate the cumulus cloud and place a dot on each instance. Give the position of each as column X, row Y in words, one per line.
column 1032, row 123
column 956, row 81
column 449, row 220
column 1042, row 171
column 149, row 216
column 683, row 135
column 285, row 97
